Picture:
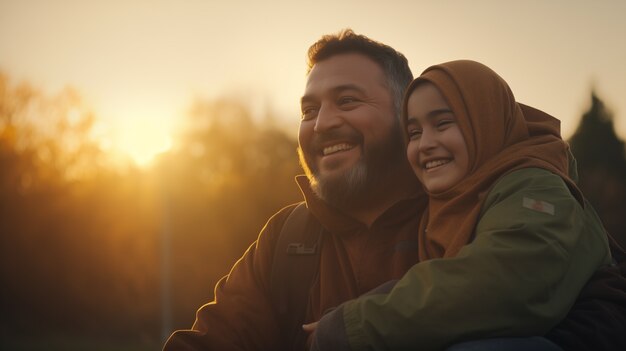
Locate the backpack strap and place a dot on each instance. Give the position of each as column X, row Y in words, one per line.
column 295, row 265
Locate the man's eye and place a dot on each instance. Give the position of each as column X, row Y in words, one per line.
column 308, row 113
column 346, row 100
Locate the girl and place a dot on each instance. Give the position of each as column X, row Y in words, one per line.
column 507, row 241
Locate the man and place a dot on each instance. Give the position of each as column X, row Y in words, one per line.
column 359, row 187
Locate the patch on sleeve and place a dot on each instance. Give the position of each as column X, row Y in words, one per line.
column 538, row 205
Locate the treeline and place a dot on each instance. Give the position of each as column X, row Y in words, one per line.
column 83, row 243
column 98, row 256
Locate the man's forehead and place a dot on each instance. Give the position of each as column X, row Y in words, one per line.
column 346, row 62
column 349, row 69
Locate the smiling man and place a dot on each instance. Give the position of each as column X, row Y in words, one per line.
column 359, row 192
column 351, row 145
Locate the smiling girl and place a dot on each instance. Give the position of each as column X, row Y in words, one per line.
column 507, row 242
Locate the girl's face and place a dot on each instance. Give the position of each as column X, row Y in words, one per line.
column 437, row 150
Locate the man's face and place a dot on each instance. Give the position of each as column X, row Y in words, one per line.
column 350, row 139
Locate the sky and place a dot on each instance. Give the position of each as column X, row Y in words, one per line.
column 139, row 64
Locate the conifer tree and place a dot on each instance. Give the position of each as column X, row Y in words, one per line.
column 601, row 157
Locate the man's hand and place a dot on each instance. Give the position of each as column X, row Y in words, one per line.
column 328, row 333
column 310, row 328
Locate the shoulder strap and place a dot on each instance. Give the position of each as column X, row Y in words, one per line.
column 296, row 262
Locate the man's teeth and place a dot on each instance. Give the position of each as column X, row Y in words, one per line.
column 436, row 163
column 336, row 148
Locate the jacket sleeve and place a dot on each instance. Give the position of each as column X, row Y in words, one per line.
column 241, row 316
column 519, row 276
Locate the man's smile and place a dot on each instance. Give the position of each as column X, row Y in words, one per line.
column 328, row 150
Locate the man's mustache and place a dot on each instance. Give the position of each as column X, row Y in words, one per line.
column 322, row 139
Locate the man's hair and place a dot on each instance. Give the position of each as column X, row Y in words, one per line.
column 394, row 64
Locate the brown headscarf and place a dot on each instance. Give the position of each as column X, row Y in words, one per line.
column 501, row 136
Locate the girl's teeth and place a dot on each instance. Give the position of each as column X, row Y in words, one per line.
column 433, row 164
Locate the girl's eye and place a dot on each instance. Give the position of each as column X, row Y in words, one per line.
column 444, row 123
column 414, row 133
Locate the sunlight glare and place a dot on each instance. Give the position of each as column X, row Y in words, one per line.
column 142, row 139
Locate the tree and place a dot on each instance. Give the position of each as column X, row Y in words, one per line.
column 602, row 166
column 81, row 242
column 228, row 173
column 77, row 239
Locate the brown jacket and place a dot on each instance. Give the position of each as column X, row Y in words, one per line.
column 354, row 260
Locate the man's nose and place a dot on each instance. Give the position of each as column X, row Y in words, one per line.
column 327, row 118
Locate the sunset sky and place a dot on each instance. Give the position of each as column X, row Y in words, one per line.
column 139, row 64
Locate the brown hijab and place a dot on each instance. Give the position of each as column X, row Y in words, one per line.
column 501, row 136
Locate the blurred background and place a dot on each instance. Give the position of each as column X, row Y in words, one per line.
column 144, row 144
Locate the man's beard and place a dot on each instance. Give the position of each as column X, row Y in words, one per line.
column 365, row 180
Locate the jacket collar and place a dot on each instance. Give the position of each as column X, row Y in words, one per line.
column 336, row 221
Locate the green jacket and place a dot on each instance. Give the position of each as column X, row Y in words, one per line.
column 534, row 249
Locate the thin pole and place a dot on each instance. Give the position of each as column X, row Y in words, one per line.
column 166, row 234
